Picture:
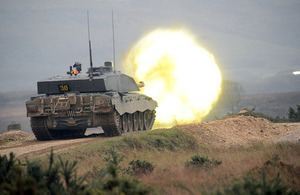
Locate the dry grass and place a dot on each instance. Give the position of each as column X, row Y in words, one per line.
column 169, row 150
column 151, row 146
column 171, row 176
column 177, row 179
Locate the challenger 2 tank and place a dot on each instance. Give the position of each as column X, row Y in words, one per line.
column 103, row 97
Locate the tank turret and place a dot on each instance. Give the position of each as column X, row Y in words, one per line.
column 104, row 79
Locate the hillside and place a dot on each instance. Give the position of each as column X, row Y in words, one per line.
column 230, row 132
column 273, row 104
column 238, row 131
column 239, row 144
column 12, row 108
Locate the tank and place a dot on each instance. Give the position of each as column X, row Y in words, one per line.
column 67, row 105
column 14, row 126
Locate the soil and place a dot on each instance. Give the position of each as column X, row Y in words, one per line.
column 242, row 130
column 233, row 131
column 16, row 136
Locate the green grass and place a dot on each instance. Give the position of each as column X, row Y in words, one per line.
column 144, row 145
column 168, row 150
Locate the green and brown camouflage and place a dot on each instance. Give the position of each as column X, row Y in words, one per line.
column 70, row 104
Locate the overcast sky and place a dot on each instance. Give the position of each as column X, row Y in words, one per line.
column 255, row 42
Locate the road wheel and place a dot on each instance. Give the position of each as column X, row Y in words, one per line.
column 125, row 123
column 135, row 121
column 130, row 122
column 141, row 121
column 146, row 120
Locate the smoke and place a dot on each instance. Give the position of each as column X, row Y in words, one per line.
column 179, row 74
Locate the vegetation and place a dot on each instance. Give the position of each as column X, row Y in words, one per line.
column 252, row 112
column 202, row 162
column 231, row 96
column 61, row 178
column 57, row 178
column 294, row 116
column 126, row 165
column 262, row 185
column 167, row 139
column 109, row 181
column 232, row 99
column 140, row 167
column 253, row 186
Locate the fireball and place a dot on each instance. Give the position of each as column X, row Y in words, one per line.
column 178, row 73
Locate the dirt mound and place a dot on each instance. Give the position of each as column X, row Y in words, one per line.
column 16, row 136
column 238, row 130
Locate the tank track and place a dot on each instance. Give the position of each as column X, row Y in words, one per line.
column 112, row 123
column 42, row 133
column 152, row 119
column 39, row 129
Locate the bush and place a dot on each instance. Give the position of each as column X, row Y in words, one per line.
column 203, row 162
column 169, row 139
column 109, row 181
column 56, row 179
column 260, row 186
column 252, row 112
column 294, row 116
column 139, row 167
column 61, row 178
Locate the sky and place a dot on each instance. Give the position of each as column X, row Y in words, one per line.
column 255, row 42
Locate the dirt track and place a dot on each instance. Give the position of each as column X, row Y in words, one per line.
column 24, row 145
column 239, row 130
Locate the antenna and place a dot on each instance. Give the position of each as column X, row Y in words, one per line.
column 113, row 31
column 90, row 47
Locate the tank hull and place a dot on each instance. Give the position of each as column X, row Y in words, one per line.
column 70, row 114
